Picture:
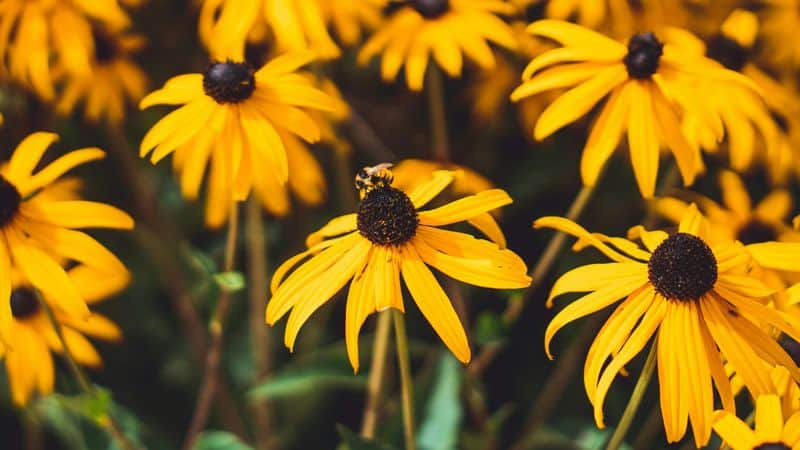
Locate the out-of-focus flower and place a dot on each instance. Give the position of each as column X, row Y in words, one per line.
column 350, row 18
column 446, row 29
column 387, row 237
column 32, row 31
column 641, row 80
column 229, row 120
column 779, row 22
column 114, row 82
column 28, row 358
column 594, row 14
column 226, row 26
column 770, row 433
column 39, row 231
column 696, row 296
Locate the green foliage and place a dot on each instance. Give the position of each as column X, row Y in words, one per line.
column 230, row 281
column 220, row 440
column 443, row 413
column 307, row 380
column 356, row 442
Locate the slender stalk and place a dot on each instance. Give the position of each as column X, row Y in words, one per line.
column 514, row 309
column 406, row 382
column 106, row 421
column 32, row 427
column 216, row 327
column 436, row 108
column 260, row 334
column 158, row 238
column 636, row 399
column 377, row 373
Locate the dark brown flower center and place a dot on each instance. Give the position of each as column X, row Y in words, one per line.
column 644, row 52
column 727, row 52
column 756, row 231
column 775, row 446
column 229, row 82
column 683, row 267
column 431, row 9
column 386, row 216
column 106, row 48
column 24, row 303
column 9, row 201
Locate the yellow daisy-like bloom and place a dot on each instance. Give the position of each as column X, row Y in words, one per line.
column 771, row 432
column 29, row 362
column 37, row 231
column 696, row 297
column 642, row 81
column 226, row 26
column 589, row 13
column 114, row 82
column 31, row 31
column 349, row 18
column 387, row 237
column 230, row 119
column 447, row 29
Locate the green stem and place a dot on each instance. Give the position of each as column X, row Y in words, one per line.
column 440, row 144
column 377, row 373
column 406, row 382
column 636, row 399
column 106, row 421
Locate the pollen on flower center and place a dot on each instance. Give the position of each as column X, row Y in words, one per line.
column 24, row 303
column 756, row 231
column 644, row 53
column 229, row 82
column 683, row 267
column 10, row 200
column 727, row 52
column 431, row 9
column 386, row 216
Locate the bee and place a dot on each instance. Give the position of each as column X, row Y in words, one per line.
column 373, row 177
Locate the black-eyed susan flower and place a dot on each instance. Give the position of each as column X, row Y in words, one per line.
column 696, row 297
column 644, row 82
column 771, row 431
column 350, row 18
column 592, row 14
column 229, row 119
column 29, row 361
column 33, row 31
column 389, row 237
column 448, row 30
column 115, row 80
column 40, row 231
column 226, row 26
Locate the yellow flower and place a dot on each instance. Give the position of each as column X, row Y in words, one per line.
column 349, row 17
column 589, row 13
column 39, row 231
column 230, row 119
column 642, row 82
column 696, row 297
column 114, row 81
column 387, row 237
column 34, row 30
column 448, row 29
column 771, row 432
column 226, row 26
column 29, row 363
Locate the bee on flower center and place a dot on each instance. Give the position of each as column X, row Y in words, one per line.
column 10, row 200
column 229, row 82
column 683, row 268
column 386, row 216
column 24, row 303
column 644, row 53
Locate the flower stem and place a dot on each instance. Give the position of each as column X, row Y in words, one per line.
column 105, row 421
column 377, row 373
column 406, row 382
column 260, row 334
column 636, row 399
column 211, row 374
column 440, row 144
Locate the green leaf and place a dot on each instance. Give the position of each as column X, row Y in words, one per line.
column 443, row 413
column 490, row 328
column 356, row 442
column 220, row 440
column 92, row 406
column 230, row 281
column 305, row 381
